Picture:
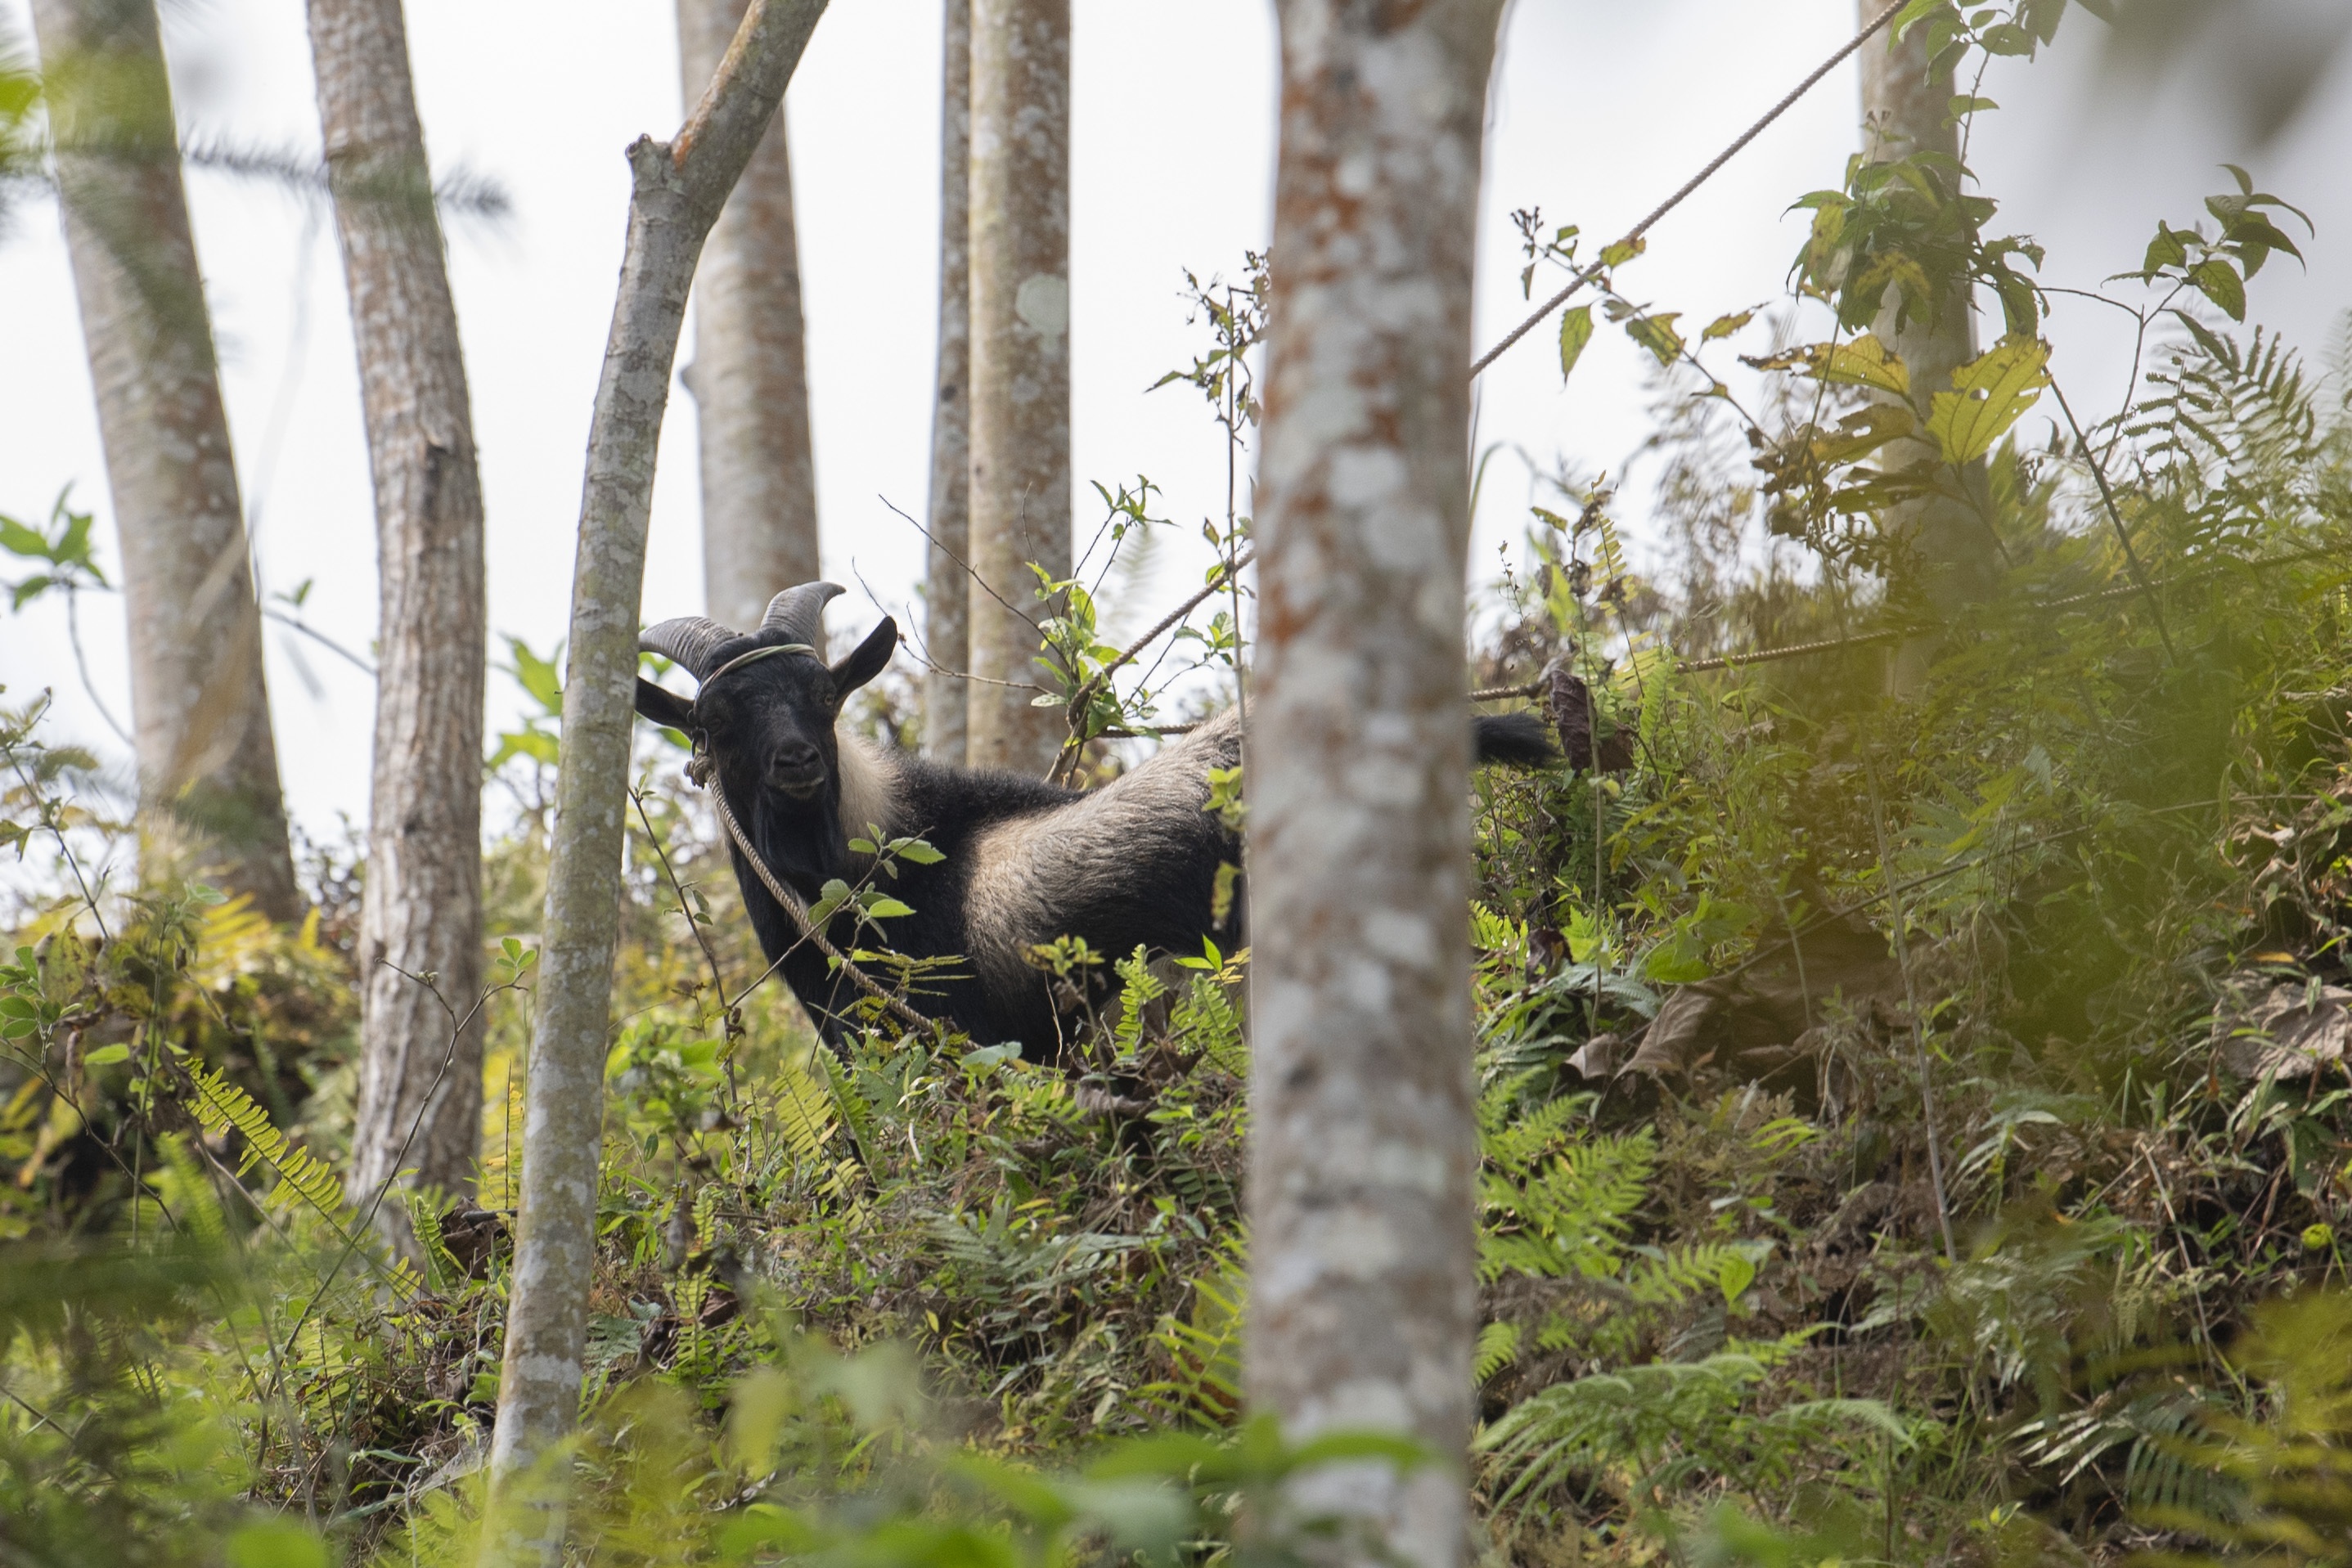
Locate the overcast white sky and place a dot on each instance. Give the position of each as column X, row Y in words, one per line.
column 1600, row 110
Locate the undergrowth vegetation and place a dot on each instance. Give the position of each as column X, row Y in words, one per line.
column 1913, row 1079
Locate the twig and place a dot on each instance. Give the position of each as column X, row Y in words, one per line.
column 73, row 862
column 366, row 1225
column 799, row 913
column 2123, row 535
column 1226, row 572
column 1695, row 181
column 82, row 663
column 1900, row 922
column 718, row 980
column 321, row 639
column 968, row 572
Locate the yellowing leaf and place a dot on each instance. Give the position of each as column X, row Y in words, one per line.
column 1575, row 331
column 1989, row 394
column 1725, row 325
column 1657, row 334
column 1623, row 251
column 1863, row 362
column 1862, row 433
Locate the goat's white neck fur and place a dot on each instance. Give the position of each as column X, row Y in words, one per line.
column 869, row 781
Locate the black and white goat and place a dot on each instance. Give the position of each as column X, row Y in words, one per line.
column 1132, row 863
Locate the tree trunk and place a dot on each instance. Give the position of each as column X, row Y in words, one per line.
column 420, row 1074
column 947, row 596
column 678, row 190
column 1020, row 495
column 1903, row 114
column 207, row 764
column 749, row 374
column 1363, row 1295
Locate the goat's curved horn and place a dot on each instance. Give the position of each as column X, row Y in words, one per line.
column 799, row 612
column 689, row 640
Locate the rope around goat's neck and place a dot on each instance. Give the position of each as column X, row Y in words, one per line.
column 702, row 773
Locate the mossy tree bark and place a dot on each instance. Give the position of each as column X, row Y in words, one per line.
column 1020, row 495
column 1958, row 561
column 678, row 188
column 947, row 591
column 200, row 707
column 421, row 1046
column 749, row 374
column 1363, row 1301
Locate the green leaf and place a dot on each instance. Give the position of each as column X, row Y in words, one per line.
column 1657, row 334
column 2165, row 250
column 1917, row 12
column 1623, row 251
column 1736, row 1274
column 535, row 743
column 830, row 898
column 1963, row 105
column 2219, row 281
column 882, row 906
column 1989, row 394
column 1725, row 325
column 275, row 1543
column 1584, row 938
column 107, row 1056
column 917, row 850
column 1678, row 961
column 1863, row 362
column 1575, row 331
column 540, row 678
column 18, row 540
column 1862, row 431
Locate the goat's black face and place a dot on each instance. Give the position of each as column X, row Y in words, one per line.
column 769, row 723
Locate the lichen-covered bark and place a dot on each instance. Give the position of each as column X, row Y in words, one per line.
column 1903, row 114
column 750, row 375
column 1363, row 1147
column 420, row 1077
column 677, row 189
column 946, row 600
column 1020, row 495
column 207, row 763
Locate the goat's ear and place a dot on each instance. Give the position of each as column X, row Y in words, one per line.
column 867, row 661
column 664, row 707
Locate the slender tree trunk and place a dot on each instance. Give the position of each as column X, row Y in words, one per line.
column 947, row 596
column 750, row 375
column 1020, row 495
column 1903, row 114
column 1363, row 1295
column 678, row 188
column 208, row 765
column 420, row 1074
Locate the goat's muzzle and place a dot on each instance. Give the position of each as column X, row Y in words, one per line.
column 797, row 770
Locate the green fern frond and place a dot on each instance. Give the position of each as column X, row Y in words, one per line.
column 804, row 1111
column 1139, row 988
column 1205, row 1349
column 220, row 1106
column 857, row 1111
column 1499, row 1347
column 187, row 1193
column 1668, row 1276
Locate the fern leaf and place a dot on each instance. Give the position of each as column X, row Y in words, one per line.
column 220, row 1106
column 1499, row 1347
